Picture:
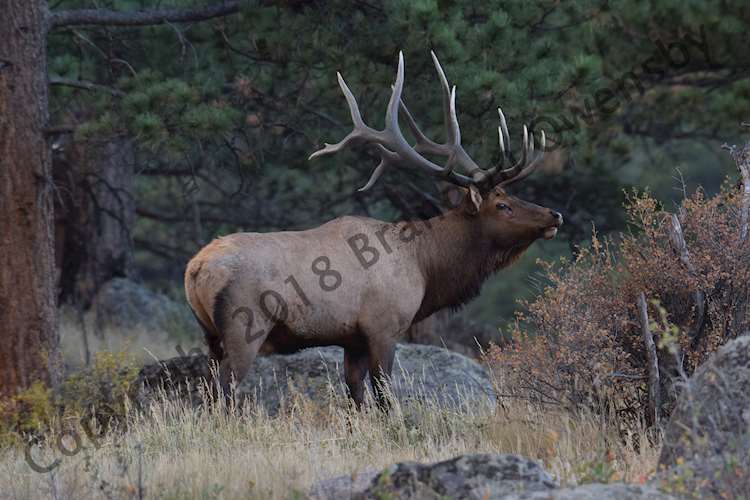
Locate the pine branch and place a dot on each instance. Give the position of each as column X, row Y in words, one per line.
column 81, row 84
column 108, row 17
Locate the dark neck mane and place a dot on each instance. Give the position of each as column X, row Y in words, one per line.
column 456, row 258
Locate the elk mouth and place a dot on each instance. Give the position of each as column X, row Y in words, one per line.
column 550, row 232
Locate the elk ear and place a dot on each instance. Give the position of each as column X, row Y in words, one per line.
column 451, row 196
column 473, row 200
column 454, row 196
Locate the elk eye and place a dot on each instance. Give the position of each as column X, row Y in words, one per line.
column 503, row 206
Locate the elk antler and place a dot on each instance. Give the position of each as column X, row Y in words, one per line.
column 394, row 149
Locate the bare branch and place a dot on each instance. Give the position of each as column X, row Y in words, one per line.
column 741, row 157
column 679, row 246
column 654, row 396
column 82, row 84
column 106, row 17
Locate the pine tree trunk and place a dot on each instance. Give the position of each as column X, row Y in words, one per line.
column 94, row 216
column 28, row 317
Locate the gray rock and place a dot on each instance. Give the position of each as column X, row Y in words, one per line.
column 707, row 440
column 477, row 476
column 711, row 412
column 183, row 377
column 481, row 476
column 123, row 303
column 454, row 330
column 723, row 475
column 426, row 373
column 432, row 375
column 340, row 487
column 614, row 491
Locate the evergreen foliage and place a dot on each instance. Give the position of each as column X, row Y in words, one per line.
column 225, row 112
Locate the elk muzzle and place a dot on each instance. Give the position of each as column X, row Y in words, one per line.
column 551, row 231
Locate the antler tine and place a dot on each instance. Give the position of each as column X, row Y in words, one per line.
column 393, row 130
column 454, row 129
column 499, row 174
column 351, row 101
column 525, row 150
column 525, row 172
column 391, row 114
column 358, row 133
column 445, row 86
column 501, row 140
column 504, row 127
column 531, row 144
column 452, row 147
column 394, row 139
column 504, row 176
column 387, row 158
column 424, row 143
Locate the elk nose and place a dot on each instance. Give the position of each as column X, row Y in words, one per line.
column 557, row 216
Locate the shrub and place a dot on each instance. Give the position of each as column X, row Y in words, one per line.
column 28, row 412
column 580, row 342
column 100, row 391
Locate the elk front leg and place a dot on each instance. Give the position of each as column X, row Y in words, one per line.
column 382, row 352
column 355, row 370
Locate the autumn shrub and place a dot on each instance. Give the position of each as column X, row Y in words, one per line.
column 580, row 343
column 99, row 392
column 102, row 389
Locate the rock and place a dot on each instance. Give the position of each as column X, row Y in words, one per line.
column 182, row 376
column 707, row 439
column 124, row 304
column 723, row 475
column 341, row 486
column 477, row 476
column 454, row 330
column 426, row 373
column 480, row 476
column 613, row 491
column 713, row 410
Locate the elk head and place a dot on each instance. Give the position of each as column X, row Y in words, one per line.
column 503, row 219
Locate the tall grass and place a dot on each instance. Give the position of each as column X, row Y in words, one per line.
column 172, row 450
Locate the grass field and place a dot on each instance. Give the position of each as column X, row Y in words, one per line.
column 175, row 451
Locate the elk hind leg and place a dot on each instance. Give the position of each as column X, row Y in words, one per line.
column 244, row 331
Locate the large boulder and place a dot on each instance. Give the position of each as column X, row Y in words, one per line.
column 597, row 491
column 420, row 372
column 429, row 374
column 347, row 486
column 455, row 331
column 128, row 317
column 185, row 377
column 477, row 477
column 707, row 440
column 125, row 304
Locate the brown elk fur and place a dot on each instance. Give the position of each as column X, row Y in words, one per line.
column 422, row 267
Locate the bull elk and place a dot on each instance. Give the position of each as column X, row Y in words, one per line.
column 358, row 282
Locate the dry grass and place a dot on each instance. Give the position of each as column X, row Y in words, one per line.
column 218, row 454
column 182, row 453
column 141, row 344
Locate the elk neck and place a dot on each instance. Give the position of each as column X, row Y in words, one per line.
column 456, row 257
